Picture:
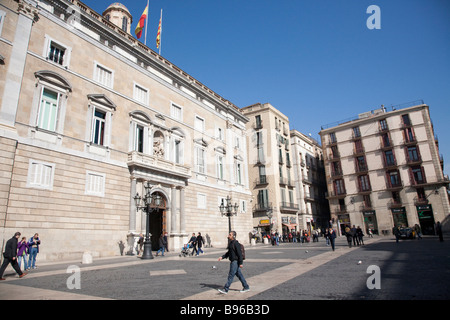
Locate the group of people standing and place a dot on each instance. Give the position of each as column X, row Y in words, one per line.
column 17, row 251
column 354, row 235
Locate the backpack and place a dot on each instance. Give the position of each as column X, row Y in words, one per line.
column 242, row 249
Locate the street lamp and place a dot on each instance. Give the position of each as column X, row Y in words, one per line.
column 144, row 203
column 229, row 210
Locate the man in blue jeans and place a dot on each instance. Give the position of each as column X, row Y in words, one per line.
column 234, row 253
column 33, row 245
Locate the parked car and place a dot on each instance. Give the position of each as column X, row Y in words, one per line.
column 406, row 233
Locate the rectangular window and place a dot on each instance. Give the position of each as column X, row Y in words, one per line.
column 258, row 122
column 262, row 174
column 383, row 125
column 40, row 175
column 409, row 135
column 98, row 129
column 418, row 175
column 103, row 76
column 263, row 199
column 413, row 154
column 201, row 201
column 389, row 157
column 394, row 179
column 361, row 164
column 140, row 94
column 356, row 132
column 220, row 167
column 405, row 120
column 243, row 206
column 333, row 137
column 238, row 173
column 339, row 187
column 359, row 146
column 199, row 124
column 176, row 112
column 95, row 184
column 219, row 134
column 56, row 53
column 386, row 140
column 364, row 183
column 48, row 110
column 200, row 160
column 139, row 139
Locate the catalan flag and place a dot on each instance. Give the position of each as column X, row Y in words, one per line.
column 141, row 23
column 158, row 35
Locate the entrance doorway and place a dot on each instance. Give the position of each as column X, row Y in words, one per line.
column 426, row 219
column 158, row 222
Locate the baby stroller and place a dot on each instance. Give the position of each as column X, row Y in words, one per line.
column 185, row 251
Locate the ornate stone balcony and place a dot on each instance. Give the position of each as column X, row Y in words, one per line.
column 158, row 164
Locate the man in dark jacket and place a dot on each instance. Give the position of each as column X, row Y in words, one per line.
column 10, row 256
column 234, row 253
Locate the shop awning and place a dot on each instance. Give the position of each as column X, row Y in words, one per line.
column 290, row 225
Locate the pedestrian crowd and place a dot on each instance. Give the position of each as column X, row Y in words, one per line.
column 16, row 252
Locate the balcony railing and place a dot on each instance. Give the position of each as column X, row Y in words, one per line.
column 137, row 159
column 420, row 201
column 263, row 207
column 261, row 181
column 288, row 206
column 394, row 186
column 395, row 203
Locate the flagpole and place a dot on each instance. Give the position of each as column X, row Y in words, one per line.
column 160, row 35
column 146, row 23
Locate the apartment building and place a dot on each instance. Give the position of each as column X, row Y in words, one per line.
column 310, row 182
column 383, row 169
column 271, row 174
column 88, row 116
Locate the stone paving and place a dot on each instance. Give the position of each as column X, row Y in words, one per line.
column 410, row 269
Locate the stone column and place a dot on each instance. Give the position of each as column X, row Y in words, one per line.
column 132, row 228
column 173, row 208
column 16, row 66
column 132, row 235
column 182, row 213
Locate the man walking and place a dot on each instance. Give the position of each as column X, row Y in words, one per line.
column 200, row 243
column 332, row 237
column 10, row 256
column 234, row 253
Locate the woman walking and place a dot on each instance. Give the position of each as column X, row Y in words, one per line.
column 22, row 253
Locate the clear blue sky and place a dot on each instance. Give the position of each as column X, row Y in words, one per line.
column 314, row 60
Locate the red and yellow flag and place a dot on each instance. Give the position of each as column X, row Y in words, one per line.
column 158, row 35
column 141, row 24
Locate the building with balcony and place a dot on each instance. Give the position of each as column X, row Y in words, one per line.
column 275, row 206
column 88, row 115
column 383, row 169
column 310, row 182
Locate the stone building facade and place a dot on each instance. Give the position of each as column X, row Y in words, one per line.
column 310, row 182
column 88, row 115
column 384, row 169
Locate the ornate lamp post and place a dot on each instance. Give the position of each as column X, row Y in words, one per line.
column 144, row 203
column 229, row 210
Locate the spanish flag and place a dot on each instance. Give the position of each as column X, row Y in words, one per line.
column 158, row 35
column 141, row 23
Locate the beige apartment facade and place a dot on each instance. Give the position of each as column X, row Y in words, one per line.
column 310, row 182
column 88, row 116
column 271, row 172
column 383, row 170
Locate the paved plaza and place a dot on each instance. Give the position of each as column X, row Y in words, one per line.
column 408, row 270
